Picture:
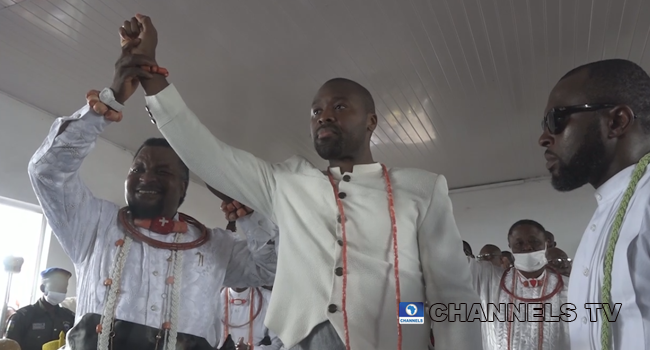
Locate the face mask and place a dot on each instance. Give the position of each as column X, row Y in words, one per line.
column 529, row 262
column 54, row 298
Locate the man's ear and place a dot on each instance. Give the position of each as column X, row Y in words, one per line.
column 620, row 120
column 372, row 122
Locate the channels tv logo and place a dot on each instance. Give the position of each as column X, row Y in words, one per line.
column 411, row 313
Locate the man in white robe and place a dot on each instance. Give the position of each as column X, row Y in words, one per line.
column 237, row 303
column 341, row 242
column 133, row 292
column 596, row 131
column 530, row 279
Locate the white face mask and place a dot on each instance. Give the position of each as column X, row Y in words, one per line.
column 54, row 298
column 530, row 262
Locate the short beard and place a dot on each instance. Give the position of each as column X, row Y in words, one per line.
column 588, row 162
column 142, row 212
column 330, row 149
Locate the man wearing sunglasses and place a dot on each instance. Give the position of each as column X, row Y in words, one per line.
column 490, row 253
column 596, row 131
column 559, row 260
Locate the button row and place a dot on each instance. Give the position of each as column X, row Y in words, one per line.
column 339, row 270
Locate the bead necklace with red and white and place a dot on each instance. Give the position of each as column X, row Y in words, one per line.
column 171, row 295
column 513, row 295
column 391, row 210
column 251, row 316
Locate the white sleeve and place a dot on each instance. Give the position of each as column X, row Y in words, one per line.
column 234, row 172
column 252, row 262
column 447, row 275
column 71, row 210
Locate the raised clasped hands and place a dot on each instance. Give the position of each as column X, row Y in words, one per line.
column 139, row 39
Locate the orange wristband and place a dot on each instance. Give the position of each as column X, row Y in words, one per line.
column 150, row 69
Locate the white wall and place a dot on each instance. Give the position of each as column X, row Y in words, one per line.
column 22, row 130
column 483, row 216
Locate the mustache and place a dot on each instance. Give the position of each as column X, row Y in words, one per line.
column 329, row 127
column 550, row 153
column 149, row 188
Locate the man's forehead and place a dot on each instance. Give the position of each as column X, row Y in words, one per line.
column 490, row 249
column 335, row 91
column 569, row 91
column 156, row 153
column 526, row 231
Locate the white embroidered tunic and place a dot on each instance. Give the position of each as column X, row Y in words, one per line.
column 239, row 315
column 630, row 279
column 523, row 334
column 87, row 229
column 299, row 198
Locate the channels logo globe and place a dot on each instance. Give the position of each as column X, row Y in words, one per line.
column 411, row 309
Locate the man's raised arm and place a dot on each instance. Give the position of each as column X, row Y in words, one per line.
column 236, row 173
column 71, row 210
column 447, row 275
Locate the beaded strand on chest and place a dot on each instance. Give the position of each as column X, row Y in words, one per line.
column 168, row 330
column 391, row 210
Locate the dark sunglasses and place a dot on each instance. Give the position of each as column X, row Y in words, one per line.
column 556, row 119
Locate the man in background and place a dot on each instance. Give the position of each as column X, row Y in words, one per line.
column 507, row 259
column 550, row 240
column 244, row 310
column 490, row 253
column 559, row 260
column 39, row 323
column 529, row 282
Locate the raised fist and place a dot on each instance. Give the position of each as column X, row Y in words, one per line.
column 140, row 27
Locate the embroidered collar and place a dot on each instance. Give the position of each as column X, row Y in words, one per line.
column 373, row 169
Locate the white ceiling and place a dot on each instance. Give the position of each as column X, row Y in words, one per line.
column 460, row 85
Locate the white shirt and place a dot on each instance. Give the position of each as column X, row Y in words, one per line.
column 239, row 314
column 299, row 198
column 630, row 277
column 523, row 335
column 87, row 229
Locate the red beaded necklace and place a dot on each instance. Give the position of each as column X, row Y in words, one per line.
column 124, row 214
column 513, row 295
column 251, row 317
column 391, row 209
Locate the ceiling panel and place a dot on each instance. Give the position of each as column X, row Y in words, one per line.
column 459, row 85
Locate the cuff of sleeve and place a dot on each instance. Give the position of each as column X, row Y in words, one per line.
column 165, row 106
column 91, row 120
column 250, row 224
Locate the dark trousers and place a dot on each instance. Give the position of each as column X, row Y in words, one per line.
column 128, row 335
